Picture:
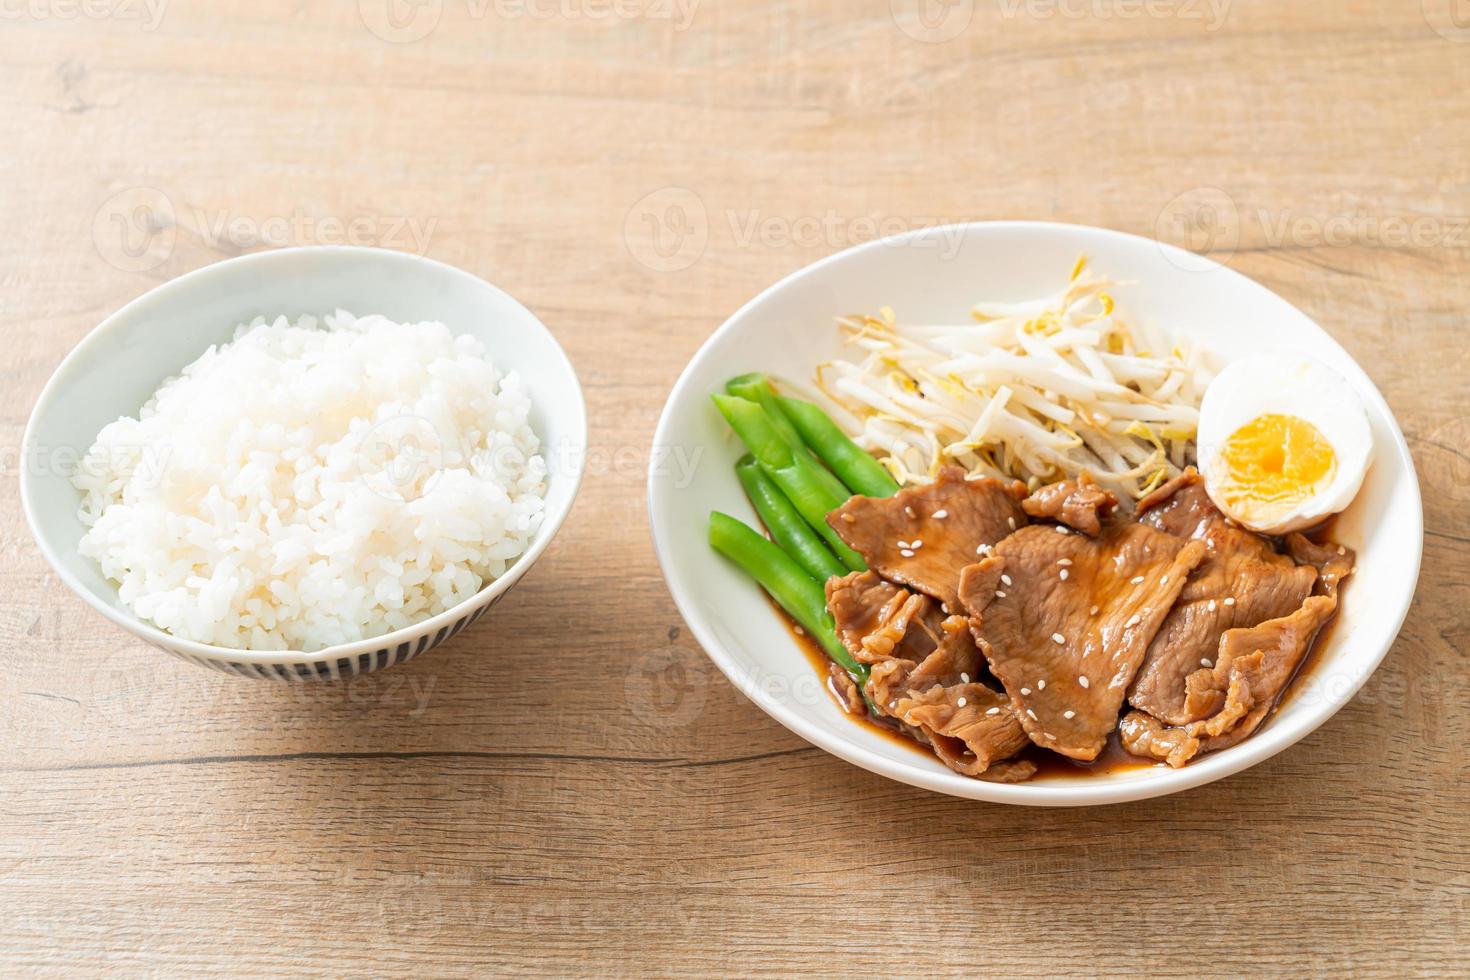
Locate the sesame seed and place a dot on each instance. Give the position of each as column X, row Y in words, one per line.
column 902, row 543
column 1211, row 606
column 993, row 711
column 984, row 549
column 1064, row 575
column 1137, row 580
column 1069, row 715
column 800, row 631
column 1012, row 522
column 910, row 512
column 944, row 608
column 848, row 518
column 1341, row 550
column 916, row 544
column 1230, row 601
column 959, row 702
column 1062, row 530
column 1084, row 681
column 1041, row 684
column 1206, row 662
column 999, row 594
column 1164, row 580
column 906, row 553
column 1048, row 736
column 1133, row 621
column 1030, row 714
column 1058, row 639
column 1007, row 580
column 964, row 678
column 1064, row 562
column 1093, row 610
column 940, row 515
column 1025, row 692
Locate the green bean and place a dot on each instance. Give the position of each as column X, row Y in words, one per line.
column 793, row 471
column 786, row 526
column 860, row 471
column 756, row 387
column 793, row 589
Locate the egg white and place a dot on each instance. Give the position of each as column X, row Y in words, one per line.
column 1286, row 384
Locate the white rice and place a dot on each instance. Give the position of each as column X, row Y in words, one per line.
column 307, row 485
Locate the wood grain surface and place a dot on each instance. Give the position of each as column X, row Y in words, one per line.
column 575, row 790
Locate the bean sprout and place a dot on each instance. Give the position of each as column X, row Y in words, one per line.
column 1036, row 391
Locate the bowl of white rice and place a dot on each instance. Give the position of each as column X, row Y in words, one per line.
column 307, row 463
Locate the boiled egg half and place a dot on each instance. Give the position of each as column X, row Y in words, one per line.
column 1284, row 442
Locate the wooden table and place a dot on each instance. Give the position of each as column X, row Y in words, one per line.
column 578, row 791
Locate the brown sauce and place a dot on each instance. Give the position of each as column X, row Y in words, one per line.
column 1113, row 758
column 1321, row 535
column 1049, row 765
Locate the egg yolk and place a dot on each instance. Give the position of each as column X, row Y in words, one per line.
column 1276, row 460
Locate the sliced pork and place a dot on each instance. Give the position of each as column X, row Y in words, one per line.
column 1065, row 619
column 1241, row 582
column 845, row 689
column 876, row 620
column 1334, row 562
column 926, row 675
column 1229, row 701
column 970, row 726
column 1144, row 735
column 1200, row 623
column 1079, row 503
column 924, row 536
column 1281, row 645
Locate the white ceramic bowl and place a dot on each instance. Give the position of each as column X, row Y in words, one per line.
column 936, row 275
column 119, row 364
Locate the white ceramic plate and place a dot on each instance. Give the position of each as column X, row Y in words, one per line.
column 936, row 275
